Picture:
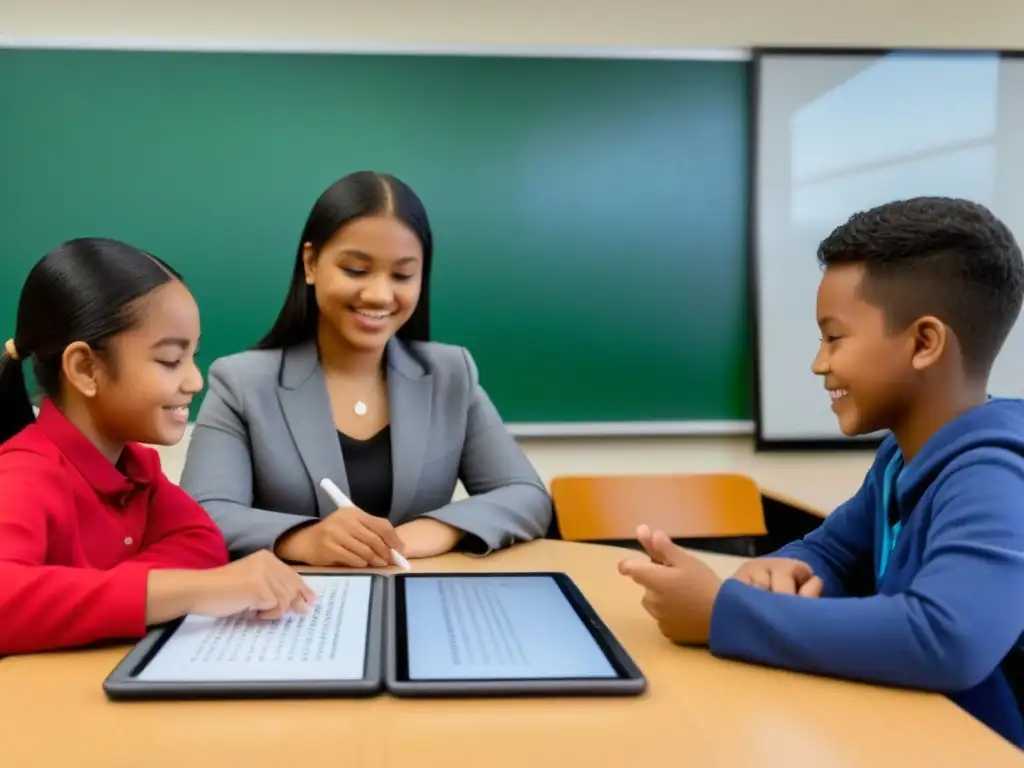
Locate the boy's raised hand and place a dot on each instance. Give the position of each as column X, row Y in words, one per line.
column 680, row 590
column 782, row 575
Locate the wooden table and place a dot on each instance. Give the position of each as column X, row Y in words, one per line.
column 699, row 711
column 816, row 483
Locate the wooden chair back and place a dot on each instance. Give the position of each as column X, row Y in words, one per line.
column 610, row 507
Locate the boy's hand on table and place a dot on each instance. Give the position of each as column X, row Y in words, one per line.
column 782, row 575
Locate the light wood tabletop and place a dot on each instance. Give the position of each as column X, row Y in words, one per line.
column 698, row 711
column 817, row 483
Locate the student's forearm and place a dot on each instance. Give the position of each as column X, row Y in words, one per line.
column 46, row 607
column 894, row 640
column 171, row 594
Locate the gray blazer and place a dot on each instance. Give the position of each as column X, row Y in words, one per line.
column 265, row 437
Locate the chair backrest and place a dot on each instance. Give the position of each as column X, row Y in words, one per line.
column 694, row 506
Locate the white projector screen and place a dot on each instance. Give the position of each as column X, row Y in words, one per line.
column 842, row 132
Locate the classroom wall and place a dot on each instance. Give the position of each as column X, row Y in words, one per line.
column 649, row 23
column 641, row 23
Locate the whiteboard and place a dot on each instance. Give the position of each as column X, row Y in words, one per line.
column 839, row 133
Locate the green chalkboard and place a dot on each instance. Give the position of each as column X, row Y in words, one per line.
column 590, row 215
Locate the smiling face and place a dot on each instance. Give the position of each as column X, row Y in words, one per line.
column 140, row 388
column 367, row 279
column 869, row 372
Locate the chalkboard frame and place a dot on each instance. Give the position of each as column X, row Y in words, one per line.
column 520, row 429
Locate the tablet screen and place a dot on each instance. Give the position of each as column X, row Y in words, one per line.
column 328, row 643
column 497, row 628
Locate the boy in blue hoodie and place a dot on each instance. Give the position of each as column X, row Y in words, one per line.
column 918, row 580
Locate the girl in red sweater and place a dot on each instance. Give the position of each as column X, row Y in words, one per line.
column 95, row 542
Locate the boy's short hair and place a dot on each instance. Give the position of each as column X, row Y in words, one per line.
column 940, row 256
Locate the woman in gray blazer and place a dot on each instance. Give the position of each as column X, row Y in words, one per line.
column 346, row 386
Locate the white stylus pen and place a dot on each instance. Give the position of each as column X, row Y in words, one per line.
column 341, row 500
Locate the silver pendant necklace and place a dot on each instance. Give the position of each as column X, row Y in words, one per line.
column 361, row 408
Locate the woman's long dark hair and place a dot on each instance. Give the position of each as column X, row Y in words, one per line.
column 83, row 290
column 360, row 194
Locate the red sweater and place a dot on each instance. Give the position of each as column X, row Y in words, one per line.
column 78, row 537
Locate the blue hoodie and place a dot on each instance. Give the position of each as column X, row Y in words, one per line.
column 923, row 586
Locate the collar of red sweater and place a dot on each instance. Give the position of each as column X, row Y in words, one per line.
column 131, row 473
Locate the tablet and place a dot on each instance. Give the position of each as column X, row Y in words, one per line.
column 334, row 650
column 501, row 634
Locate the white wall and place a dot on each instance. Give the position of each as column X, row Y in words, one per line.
column 641, row 23
column 536, row 22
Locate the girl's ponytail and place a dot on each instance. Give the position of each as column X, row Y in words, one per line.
column 15, row 408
